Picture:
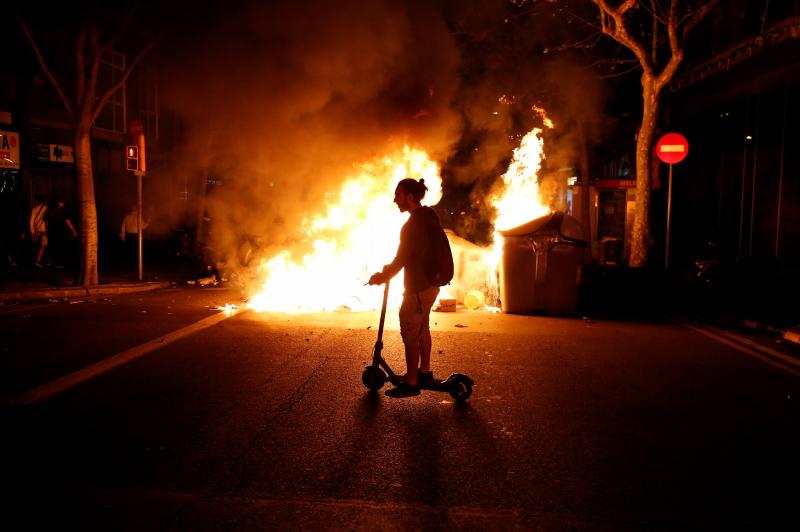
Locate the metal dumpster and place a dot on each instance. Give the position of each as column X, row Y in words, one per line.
column 540, row 267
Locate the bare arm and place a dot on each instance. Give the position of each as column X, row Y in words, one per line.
column 72, row 228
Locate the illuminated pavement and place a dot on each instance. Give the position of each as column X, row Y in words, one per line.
column 260, row 421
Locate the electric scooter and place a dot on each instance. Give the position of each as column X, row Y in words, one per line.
column 458, row 385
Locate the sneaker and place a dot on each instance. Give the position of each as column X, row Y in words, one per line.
column 38, row 264
column 426, row 379
column 403, row 390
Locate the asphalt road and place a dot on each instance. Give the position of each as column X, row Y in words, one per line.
column 260, row 421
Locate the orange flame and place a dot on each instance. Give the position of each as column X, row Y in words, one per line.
column 519, row 201
column 356, row 236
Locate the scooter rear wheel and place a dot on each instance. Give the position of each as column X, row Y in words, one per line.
column 373, row 378
column 460, row 388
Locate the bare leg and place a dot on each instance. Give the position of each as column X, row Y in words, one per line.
column 425, row 351
column 412, row 360
column 40, row 253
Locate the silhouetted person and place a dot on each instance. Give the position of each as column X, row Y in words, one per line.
column 129, row 234
column 37, row 225
column 61, row 234
column 420, row 292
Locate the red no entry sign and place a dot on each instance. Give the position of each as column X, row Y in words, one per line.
column 672, row 148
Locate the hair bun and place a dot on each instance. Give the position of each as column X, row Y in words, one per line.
column 421, row 180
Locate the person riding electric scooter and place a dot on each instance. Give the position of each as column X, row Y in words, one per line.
column 458, row 385
column 422, row 251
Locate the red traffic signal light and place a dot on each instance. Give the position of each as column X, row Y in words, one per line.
column 132, row 157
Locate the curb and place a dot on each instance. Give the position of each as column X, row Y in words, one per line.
column 792, row 335
column 39, row 294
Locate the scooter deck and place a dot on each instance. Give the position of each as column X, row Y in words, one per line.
column 438, row 385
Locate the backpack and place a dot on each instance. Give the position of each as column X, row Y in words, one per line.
column 439, row 260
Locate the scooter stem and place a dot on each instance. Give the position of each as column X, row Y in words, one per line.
column 383, row 312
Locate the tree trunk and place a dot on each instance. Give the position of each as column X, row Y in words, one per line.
column 640, row 240
column 88, row 209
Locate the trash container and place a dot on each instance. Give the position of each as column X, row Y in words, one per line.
column 540, row 268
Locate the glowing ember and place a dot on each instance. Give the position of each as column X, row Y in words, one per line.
column 229, row 309
column 543, row 115
column 356, row 236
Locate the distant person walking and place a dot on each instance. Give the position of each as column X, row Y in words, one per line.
column 37, row 224
column 61, row 234
column 129, row 234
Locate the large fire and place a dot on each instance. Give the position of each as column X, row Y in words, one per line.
column 359, row 231
column 357, row 234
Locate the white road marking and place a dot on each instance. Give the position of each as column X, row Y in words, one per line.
column 52, row 388
column 765, row 354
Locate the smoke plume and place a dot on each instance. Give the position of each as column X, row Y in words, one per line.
column 280, row 100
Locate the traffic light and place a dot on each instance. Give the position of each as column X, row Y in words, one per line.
column 132, row 156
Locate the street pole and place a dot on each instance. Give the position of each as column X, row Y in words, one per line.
column 669, row 212
column 140, row 227
column 139, row 219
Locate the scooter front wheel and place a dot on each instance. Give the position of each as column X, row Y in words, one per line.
column 373, row 378
column 459, row 387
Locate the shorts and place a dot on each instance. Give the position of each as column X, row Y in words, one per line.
column 415, row 312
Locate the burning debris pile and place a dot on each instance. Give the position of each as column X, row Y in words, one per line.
column 358, row 233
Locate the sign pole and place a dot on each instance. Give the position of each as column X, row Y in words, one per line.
column 140, row 227
column 669, row 213
column 671, row 149
column 139, row 219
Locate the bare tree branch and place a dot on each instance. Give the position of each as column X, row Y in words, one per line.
column 672, row 28
column 80, row 65
column 116, row 86
column 676, row 51
column 619, row 32
column 97, row 59
column 634, row 66
column 125, row 23
column 657, row 12
column 43, row 65
column 654, row 30
column 698, row 15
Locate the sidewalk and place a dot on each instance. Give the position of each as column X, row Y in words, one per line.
column 762, row 305
column 28, row 283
